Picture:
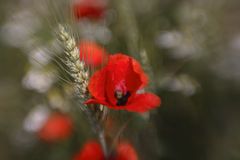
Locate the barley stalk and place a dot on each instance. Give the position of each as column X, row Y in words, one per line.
column 77, row 68
column 80, row 75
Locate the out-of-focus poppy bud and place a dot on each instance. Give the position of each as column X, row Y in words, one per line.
column 93, row 9
column 57, row 127
column 92, row 151
column 92, row 53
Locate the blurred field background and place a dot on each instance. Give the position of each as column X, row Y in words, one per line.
column 193, row 48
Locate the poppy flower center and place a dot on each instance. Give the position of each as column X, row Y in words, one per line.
column 121, row 94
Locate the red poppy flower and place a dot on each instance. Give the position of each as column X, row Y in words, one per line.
column 118, row 83
column 93, row 151
column 125, row 151
column 90, row 151
column 93, row 9
column 92, row 53
column 57, row 127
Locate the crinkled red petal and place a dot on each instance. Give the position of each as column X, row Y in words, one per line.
column 124, row 68
column 117, row 68
column 138, row 69
column 132, row 70
column 143, row 102
column 97, row 85
column 133, row 78
column 96, row 101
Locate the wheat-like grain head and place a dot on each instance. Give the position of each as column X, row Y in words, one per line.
column 77, row 68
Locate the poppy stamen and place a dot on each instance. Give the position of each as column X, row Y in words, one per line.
column 121, row 98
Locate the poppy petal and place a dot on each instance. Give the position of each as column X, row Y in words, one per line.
column 138, row 69
column 133, row 78
column 132, row 70
column 125, row 68
column 143, row 102
column 97, row 85
column 95, row 101
column 117, row 69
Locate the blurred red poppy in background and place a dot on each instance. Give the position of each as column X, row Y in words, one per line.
column 93, row 9
column 92, row 53
column 57, row 127
column 125, row 151
column 90, row 151
column 93, row 151
column 117, row 86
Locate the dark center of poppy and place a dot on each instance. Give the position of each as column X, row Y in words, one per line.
column 121, row 97
column 121, row 93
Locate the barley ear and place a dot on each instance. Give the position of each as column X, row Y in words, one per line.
column 77, row 68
